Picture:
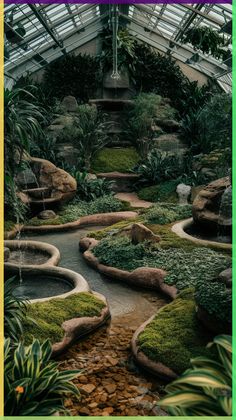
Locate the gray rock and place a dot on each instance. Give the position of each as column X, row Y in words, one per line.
column 69, row 103
column 47, row 214
column 226, row 277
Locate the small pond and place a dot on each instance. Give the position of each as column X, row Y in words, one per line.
column 38, row 287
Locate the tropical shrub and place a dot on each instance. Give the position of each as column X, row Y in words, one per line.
column 216, row 299
column 215, row 123
column 76, row 75
column 89, row 189
column 21, row 125
column 33, row 386
column 159, row 167
column 15, row 310
column 44, row 148
column 91, row 134
column 206, row 388
column 141, row 118
column 207, row 40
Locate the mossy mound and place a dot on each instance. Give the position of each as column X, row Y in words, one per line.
column 175, row 335
column 116, row 159
column 164, row 192
column 48, row 316
column 113, row 229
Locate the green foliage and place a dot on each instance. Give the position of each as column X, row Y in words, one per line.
column 14, row 208
column 166, row 191
column 72, row 212
column 215, row 123
column 116, row 159
column 33, row 386
column 216, row 299
column 141, row 119
column 159, row 167
column 44, row 148
column 120, row 252
column 89, row 189
column 207, row 40
column 206, row 388
column 21, row 125
column 14, row 312
column 163, row 214
column 125, row 49
column 185, row 267
column 50, row 315
column 76, row 75
column 90, row 133
column 175, row 335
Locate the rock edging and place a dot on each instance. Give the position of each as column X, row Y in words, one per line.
column 156, row 368
column 152, row 278
column 77, row 328
column 103, row 219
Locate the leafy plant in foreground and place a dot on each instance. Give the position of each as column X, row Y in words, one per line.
column 206, row 388
column 33, row 386
column 14, row 312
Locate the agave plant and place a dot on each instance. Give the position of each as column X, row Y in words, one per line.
column 14, row 312
column 33, row 385
column 206, row 388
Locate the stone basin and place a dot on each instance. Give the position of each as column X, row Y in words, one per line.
column 29, row 254
column 38, row 193
column 40, row 284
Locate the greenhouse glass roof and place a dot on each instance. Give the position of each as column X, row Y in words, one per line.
column 52, row 30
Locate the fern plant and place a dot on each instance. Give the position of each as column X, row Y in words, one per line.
column 14, row 312
column 206, row 388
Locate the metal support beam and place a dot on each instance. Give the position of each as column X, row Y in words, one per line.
column 41, row 19
column 188, row 22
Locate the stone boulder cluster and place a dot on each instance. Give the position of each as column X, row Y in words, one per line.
column 207, row 211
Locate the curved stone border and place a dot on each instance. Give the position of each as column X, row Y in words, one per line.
column 179, row 229
column 156, row 368
column 77, row 328
column 102, row 219
column 152, row 278
column 44, row 248
column 80, row 284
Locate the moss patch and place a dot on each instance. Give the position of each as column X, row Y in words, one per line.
column 50, row 315
column 166, row 191
column 175, row 335
column 113, row 229
column 116, row 159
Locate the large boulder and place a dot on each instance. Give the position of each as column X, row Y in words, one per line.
column 206, row 205
column 50, row 176
column 140, row 233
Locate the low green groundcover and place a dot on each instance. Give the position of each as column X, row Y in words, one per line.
column 50, row 315
column 185, row 267
column 166, row 191
column 115, row 159
column 74, row 211
column 175, row 335
column 164, row 213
